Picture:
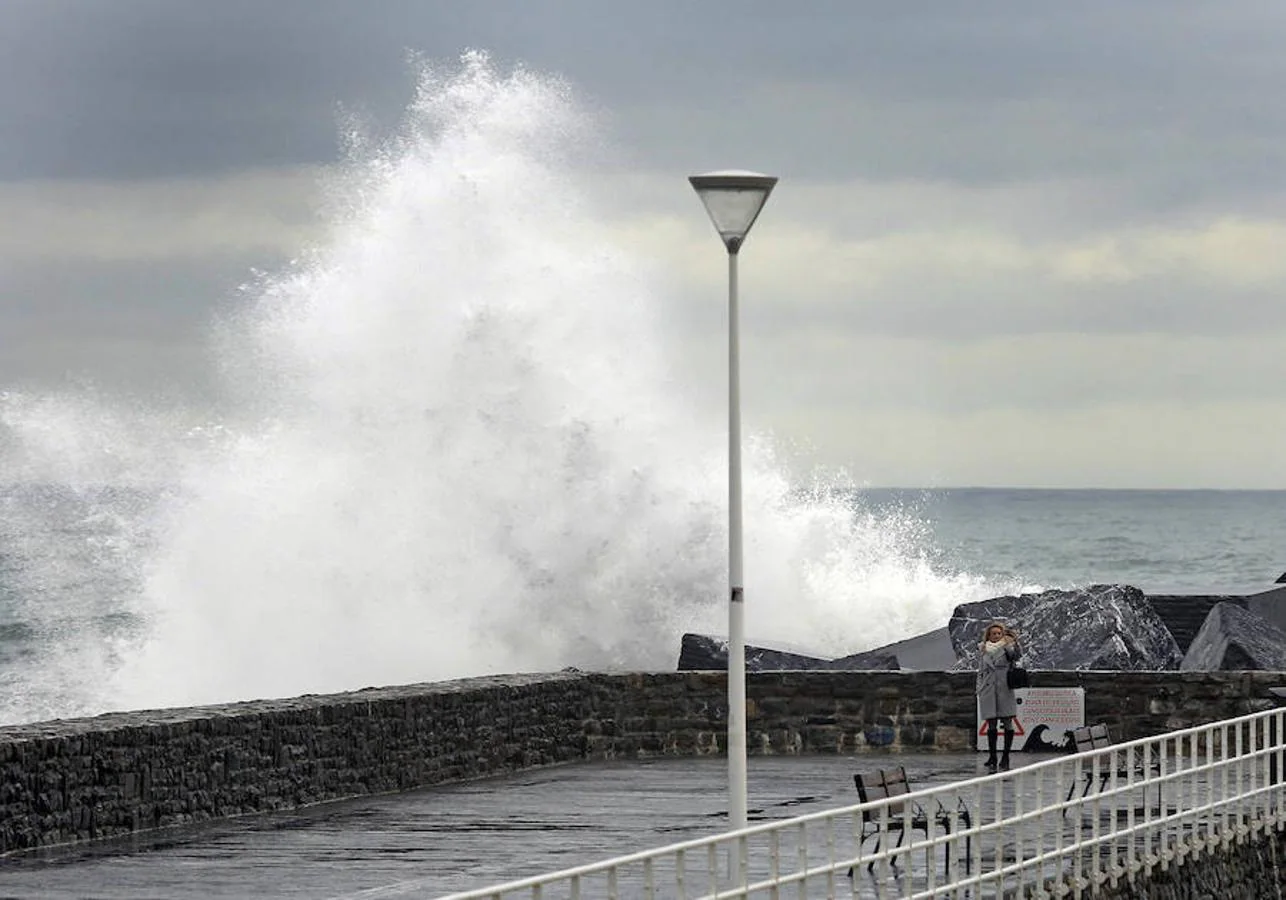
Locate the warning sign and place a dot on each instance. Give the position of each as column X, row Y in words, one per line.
column 1045, row 720
column 1019, row 731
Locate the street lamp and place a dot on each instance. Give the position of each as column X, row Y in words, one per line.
column 733, row 200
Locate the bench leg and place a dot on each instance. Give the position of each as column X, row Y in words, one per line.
column 968, row 824
column 946, row 849
column 893, row 860
column 1071, row 788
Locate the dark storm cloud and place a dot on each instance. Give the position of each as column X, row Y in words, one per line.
column 1164, row 93
column 140, row 88
column 156, row 87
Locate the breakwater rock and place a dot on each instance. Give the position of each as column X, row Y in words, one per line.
column 1106, row 627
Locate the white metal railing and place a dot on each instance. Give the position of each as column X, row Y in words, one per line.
column 1058, row 828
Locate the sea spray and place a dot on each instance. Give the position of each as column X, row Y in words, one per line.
column 456, row 445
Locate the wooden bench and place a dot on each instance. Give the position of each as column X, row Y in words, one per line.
column 1096, row 737
column 895, row 817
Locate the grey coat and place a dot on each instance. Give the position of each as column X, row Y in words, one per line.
column 995, row 699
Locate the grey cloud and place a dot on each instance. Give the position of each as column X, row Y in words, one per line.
column 976, row 92
column 1037, row 125
column 1035, row 372
column 137, row 299
column 144, row 88
column 154, row 87
column 253, row 213
column 125, row 326
column 944, row 308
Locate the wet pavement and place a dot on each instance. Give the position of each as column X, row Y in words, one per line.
column 435, row 841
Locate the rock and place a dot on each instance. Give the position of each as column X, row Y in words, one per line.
column 703, row 652
column 1184, row 614
column 866, row 661
column 1101, row 627
column 1234, row 638
column 1270, row 604
column 928, row 652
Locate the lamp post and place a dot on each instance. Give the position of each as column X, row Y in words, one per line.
column 733, row 199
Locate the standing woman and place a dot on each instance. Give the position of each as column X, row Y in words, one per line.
column 997, row 652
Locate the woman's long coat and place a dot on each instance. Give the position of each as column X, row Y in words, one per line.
column 995, row 698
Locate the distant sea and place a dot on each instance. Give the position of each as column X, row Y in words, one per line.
column 1162, row 541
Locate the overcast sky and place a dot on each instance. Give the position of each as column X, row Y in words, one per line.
column 1014, row 243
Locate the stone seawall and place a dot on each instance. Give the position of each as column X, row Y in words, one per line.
column 111, row 775
column 1252, row 868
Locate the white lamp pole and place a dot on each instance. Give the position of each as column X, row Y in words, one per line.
column 733, row 200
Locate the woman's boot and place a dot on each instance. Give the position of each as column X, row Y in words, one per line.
column 1009, row 742
column 992, row 728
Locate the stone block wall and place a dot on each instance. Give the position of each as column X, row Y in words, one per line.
column 1248, row 869
column 111, row 775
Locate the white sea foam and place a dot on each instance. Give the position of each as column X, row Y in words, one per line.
column 458, row 448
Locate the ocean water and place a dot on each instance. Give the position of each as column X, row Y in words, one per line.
column 1163, row 541
column 450, row 443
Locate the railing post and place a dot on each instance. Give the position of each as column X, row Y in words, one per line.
column 1272, row 747
column 712, row 867
column 855, row 827
column 743, row 862
column 1128, row 849
column 1096, row 810
column 1018, row 828
column 1208, row 764
column 1225, row 760
column 1078, row 828
column 1279, row 744
column 1259, row 767
column 1041, row 828
column 1114, row 810
column 973, row 845
column 774, row 858
column 1060, row 823
column 883, row 862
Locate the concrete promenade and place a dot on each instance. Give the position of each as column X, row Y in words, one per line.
column 435, row 841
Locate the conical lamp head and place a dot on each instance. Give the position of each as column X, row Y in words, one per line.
column 733, row 199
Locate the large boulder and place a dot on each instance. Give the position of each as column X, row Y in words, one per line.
column 1184, row 614
column 931, row 651
column 1234, row 638
column 1101, row 627
column 1270, row 604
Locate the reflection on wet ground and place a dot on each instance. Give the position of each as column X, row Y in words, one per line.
column 455, row 837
